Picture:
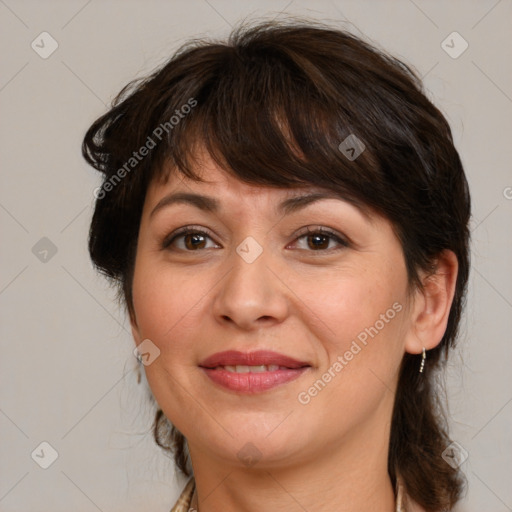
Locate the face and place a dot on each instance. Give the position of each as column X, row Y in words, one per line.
column 280, row 323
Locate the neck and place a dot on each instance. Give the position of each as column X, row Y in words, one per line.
column 349, row 477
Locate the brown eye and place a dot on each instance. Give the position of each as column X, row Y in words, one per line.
column 187, row 240
column 194, row 241
column 318, row 240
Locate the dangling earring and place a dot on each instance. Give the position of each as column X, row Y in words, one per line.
column 139, row 359
column 423, row 357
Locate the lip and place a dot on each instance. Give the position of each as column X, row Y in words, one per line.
column 250, row 383
column 256, row 358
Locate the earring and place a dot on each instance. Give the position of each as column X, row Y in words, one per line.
column 423, row 357
column 139, row 359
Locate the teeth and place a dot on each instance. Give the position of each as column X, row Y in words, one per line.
column 252, row 369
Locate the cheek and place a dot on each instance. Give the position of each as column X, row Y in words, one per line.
column 355, row 306
column 167, row 307
column 168, row 304
column 362, row 336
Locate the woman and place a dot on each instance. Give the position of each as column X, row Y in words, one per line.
column 286, row 217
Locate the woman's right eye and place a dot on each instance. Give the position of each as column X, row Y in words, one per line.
column 187, row 239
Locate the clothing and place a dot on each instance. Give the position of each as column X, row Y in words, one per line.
column 185, row 500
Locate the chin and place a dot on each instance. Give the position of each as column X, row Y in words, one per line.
column 265, row 439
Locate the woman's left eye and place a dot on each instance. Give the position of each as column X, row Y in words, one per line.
column 318, row 239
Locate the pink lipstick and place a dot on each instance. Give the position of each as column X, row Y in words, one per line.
column 252, row 372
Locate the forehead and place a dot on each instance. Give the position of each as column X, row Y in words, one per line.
column 226, row 186
column 218, row 190
column 221, row 190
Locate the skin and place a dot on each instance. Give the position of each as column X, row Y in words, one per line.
column 308, row 303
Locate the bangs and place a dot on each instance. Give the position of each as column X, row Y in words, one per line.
column 337, row 114
column 266, row 121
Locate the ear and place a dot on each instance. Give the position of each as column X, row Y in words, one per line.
column 431, row 306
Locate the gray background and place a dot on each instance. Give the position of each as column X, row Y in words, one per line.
column 67, row 366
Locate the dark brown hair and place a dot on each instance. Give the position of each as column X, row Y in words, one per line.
column 272, row 106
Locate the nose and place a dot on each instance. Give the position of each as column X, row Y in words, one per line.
column 252, row 294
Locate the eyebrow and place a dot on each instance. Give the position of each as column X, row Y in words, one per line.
column 210, row 204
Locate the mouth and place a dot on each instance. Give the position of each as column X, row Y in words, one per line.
column 260, row 358
column 241, row 368
column 252, row 372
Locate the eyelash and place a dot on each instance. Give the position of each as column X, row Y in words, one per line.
column 187, row 230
